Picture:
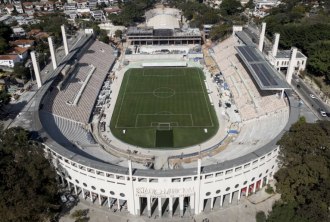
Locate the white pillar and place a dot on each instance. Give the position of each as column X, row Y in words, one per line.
column 275, row 44
column 149, row 206
column 254, row 187
column 75, row 189
column 118, row 204
column 170, row 206
column 100, row 199
column 292, row 64
column 52, row 52
column 247, row 190
column 160, row 206
column 230, row 197
column 221, row 200
column 65, row 41
column 131, row 201
column 262, row 37
column 192, row 203
column 36, row 68
column 181, row 206
column 239, row 194
column 197, row 202
column 83, row 193
column 91, row 196
column 109, row 202
column 212, row 203
column 282, row 94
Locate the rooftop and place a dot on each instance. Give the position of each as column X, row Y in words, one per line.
column 266, row 77
column 287, row 54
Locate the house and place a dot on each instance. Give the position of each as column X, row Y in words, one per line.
column 9, row 60
column 49, row 6
column 100, row 2
column 22, row 53
column 7, row 19
column 28, row 5
column 24, row 43
column 9, row 8
column 30, row 11
column 97, row 15
column 19, row 8
column 70, row 6
column 59, row 5
column 82, row 4
column 92, row 4
column 38, row 6
column 18, row 32
column 112, row 10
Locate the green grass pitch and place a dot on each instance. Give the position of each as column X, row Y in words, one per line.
column 152, row 99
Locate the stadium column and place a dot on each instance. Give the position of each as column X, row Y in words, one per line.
column 292, row 64
column 230, row 197
column 65, row 41
column 239, row 194
column 181, row 206
column 132, row 202
column 36, row 68
column 100, row 199
column 149, row 206
column 212, row 203
column 52, row 52
column 197, row 201
column 192, row 202
column 109, row 204
column 83, row 193
column 75, row 189
column 170, row 208
column 221, row 200
column 262, row 37
column 254, row 187
column 160, row 206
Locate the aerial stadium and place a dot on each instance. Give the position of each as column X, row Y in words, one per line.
column 164, row 130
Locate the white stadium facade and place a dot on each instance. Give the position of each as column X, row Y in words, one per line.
column 238, row 161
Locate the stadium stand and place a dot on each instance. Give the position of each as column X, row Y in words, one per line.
column 248, row 98
column 87, row 78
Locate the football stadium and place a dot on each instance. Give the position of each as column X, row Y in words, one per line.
column 168, row 129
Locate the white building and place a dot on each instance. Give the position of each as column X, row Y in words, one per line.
column 9, row 60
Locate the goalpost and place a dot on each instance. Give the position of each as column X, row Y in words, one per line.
column 164, row 126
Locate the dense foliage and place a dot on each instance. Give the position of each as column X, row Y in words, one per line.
column 304, row 177
column 28, row 188
column 230, row 7
column 306, row 28
column 5, row 33
column 132, row 12
column 197, row 13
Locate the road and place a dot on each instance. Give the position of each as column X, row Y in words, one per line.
column 305, row 92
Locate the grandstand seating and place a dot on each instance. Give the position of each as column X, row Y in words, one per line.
column 61, row 102
column 245, row 93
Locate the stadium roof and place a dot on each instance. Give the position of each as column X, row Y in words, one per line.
column 163, row 21
column 263, row 73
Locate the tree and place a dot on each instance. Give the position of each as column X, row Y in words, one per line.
column 118, row 33
column 304, row 177
column 103, row 37
column 3, row 45
column 29, row 191
column 230, row 7
column 21, row 72
column 4, row 98
column 260, row 216
column 220, row 31
column 249, row 4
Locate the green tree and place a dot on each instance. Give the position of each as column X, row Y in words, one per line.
column 304, row 177
column 4, row 46
column 21, row 72
column 230, row 7
column 29, row 191
column 260, row 216
column 220, row 31
column 118, row 33
column 4, row 98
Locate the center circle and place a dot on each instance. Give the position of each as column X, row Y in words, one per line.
column 164, row 92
